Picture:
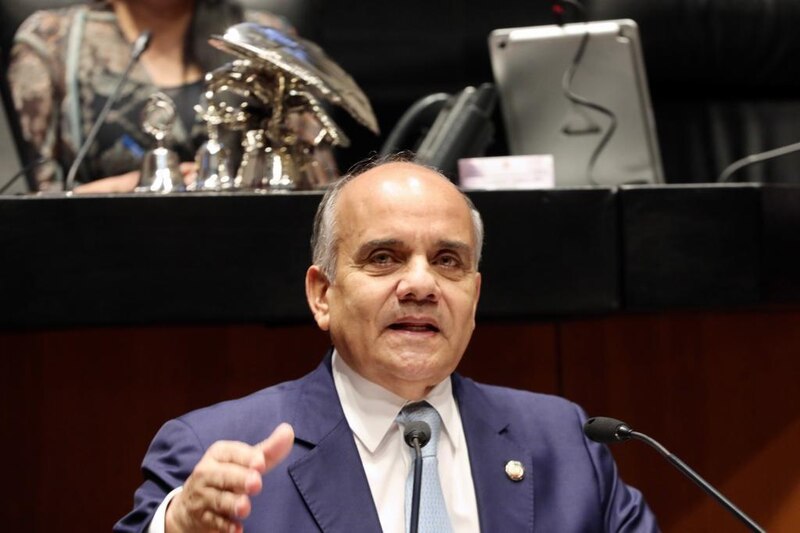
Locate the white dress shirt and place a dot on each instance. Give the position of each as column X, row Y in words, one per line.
column 370, row 411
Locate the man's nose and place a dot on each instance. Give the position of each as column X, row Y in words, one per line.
column 418, row 282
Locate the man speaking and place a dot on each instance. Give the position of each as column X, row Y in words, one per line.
column 395, row 282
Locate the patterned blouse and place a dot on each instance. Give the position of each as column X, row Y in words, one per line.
column 65, row 64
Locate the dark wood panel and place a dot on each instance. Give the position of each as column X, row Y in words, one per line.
column 81, row 406
column 549, row 253
column 132, row 260
column 718, row 390
column 241, row 258
column 519, row 355
column 690, row 246
column 781, row 247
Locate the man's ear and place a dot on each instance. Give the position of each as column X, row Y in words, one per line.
column 317, row 286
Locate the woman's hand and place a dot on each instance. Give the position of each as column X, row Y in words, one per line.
column 127, row 182
column 122, row 183
column 188, row 172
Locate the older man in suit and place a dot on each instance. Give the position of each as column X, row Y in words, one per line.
column 395, row 282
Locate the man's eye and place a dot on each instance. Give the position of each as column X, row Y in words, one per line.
column 448, row 261
column 381, row 258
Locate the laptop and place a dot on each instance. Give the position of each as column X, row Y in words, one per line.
column 530, row 65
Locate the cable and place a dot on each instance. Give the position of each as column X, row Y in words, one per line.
column 575, row 99
column 726, row 174
column 30, row 166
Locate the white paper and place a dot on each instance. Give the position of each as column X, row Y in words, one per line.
column 507, row 172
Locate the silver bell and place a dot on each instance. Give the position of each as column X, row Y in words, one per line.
column 160, row 170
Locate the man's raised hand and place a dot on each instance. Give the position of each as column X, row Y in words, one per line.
column 216, row 496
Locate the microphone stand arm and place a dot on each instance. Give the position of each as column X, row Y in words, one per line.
column 414, row 523
column 698, row 480
column 139, row 47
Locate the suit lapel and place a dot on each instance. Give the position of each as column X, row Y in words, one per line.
column 330, row 477
column 503, row 504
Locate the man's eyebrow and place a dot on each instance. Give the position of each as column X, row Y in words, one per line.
column 457, row 246
column 378, row 243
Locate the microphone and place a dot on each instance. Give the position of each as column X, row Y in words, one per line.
column 139, row 46
column 417, row 431
column 609, row 430
column 752, row 159
column 416, row 435
column 606, row 430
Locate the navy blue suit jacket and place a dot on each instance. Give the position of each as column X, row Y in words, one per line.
column 570, row 483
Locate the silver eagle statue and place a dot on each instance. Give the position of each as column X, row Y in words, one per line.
column 273, row 95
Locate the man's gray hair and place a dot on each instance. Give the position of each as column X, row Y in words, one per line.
column 324, row 237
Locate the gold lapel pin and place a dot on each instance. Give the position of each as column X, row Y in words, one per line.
column 515, row 471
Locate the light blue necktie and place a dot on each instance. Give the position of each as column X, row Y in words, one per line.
column 433, row 516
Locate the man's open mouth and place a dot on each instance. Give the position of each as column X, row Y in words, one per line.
column 413, row 327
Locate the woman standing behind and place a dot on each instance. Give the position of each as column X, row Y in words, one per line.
column 66, row 62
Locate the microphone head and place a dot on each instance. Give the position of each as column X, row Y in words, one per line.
column 141, row 43
column 606, row 430
column 419, row 431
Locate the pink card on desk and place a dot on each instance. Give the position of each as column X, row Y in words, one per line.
column 507, row 172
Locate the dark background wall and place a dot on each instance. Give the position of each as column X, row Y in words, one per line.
column 724, row 76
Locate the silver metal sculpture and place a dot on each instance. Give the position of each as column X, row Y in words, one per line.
column 160, row 170
column 213, row 157
column 273, row 96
